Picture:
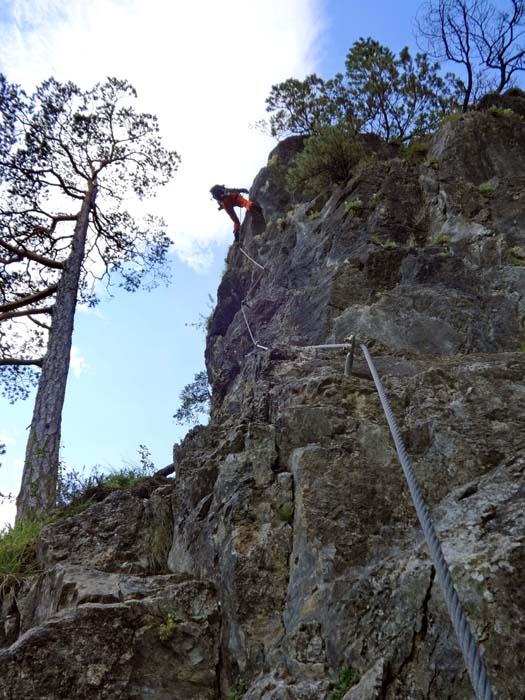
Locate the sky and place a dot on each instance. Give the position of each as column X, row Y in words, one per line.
column 204, row 68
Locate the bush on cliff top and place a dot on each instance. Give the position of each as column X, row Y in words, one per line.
column 326, row 159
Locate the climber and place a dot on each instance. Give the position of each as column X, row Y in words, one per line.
column 228, row 198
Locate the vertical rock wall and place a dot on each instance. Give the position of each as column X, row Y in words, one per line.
column 287, row 548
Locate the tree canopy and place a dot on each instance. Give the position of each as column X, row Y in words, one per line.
column 71, row 161
column 395, row 97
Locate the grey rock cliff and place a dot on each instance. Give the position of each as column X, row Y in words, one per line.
column 287, row 547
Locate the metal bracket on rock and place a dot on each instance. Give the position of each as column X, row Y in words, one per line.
column 348, row 345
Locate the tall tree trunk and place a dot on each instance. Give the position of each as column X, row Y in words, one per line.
column 39, row 480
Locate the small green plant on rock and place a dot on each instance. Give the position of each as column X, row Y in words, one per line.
column 167, row 629
column 417, row 149
column 442, row 240
column 373, row 201
column 432, row 163
column 237, row 691
column 280, row 224
column 314, row 214
column 354, row 206
column 516, row 256
column 347, row 677
column 486, row 189
column 285, row 512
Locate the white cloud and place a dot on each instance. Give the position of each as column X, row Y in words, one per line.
column 205, row 68
column 7, row 513
column 77, row 362
column 7, row 440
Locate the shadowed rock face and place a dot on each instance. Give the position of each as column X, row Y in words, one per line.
column 287, row 547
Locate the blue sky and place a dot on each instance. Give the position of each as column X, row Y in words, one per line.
column 205, row 71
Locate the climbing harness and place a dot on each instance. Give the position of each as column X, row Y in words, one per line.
column 467, row 641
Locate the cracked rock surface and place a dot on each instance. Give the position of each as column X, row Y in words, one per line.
column 287, row 546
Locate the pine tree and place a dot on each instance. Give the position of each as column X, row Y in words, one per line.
column 68, row 161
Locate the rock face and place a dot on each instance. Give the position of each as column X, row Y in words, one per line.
column 287, row 549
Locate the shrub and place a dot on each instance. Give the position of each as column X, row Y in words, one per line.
column 417, row 149
column 442, row 240
column 237, row 691
column 327, row 159
column 354, row 206
column 516, row 256
column 167, row 629
column 280, row 224
column 285, row 513
column 487, row 189
column 347, row 678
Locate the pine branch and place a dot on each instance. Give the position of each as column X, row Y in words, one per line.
column 21, row 363
column 23, row 253
column 26, row 312
column 31, row 299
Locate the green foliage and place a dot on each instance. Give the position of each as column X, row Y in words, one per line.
column 432, row 163
column 307, row 106
column 374, row 200
column 18, row 551
column 397, row 97
column 454, row 116
column 167, row 629
column 417, row 149
column 195, row 400
column 516, row 256
column 326, row 159
column 442, row 239
column 347, row 678
column 522, row 346
column 204, row 321
column 237, row 691
column 285, row 513
column 504, row 113
column 280, row 224
column 354, row 206
column 76, row 492
column 487, row 189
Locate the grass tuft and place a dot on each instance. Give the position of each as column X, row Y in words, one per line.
column 18, row 551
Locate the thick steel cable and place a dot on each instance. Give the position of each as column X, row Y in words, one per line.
column 467, row 641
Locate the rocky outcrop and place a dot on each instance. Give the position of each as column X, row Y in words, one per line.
column 287, row 547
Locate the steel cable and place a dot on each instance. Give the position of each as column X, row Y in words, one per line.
column 467, row 641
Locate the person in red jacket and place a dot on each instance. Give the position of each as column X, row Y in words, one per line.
column 227, row 198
